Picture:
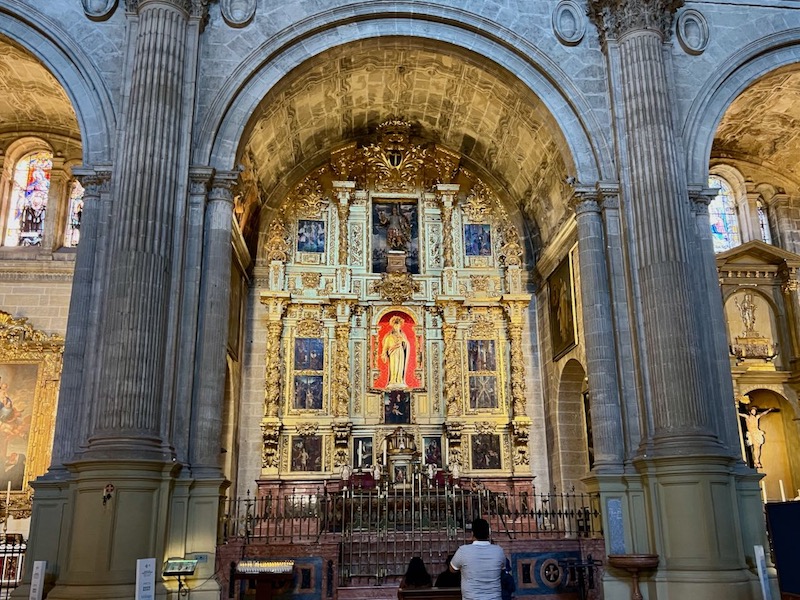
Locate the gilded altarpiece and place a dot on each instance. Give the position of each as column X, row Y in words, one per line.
column 30, row 374
column 388, row 276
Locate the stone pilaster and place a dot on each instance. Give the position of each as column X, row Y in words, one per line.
column 791, row 299
column 128, row 415
column 781, row 223
column 715, row 345
column 598, row 330
column 212, row 336
column 71, row 404
column 199, row 182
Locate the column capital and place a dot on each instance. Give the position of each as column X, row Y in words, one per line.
column 446, row 192
column 200, row 179
column 616, row 18
column 701, row 196
column 194, row 8
column 222, row 186
column 584, row 199
column 93, row 180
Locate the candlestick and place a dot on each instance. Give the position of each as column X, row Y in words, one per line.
column 783, row 491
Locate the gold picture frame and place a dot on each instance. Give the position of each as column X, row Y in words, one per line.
column 30, row 375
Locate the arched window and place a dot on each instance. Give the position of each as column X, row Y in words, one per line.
column 73, row 233
column 763, row 222
column 26, row 210
column 723, row 217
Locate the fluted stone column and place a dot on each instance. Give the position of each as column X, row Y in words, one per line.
column 212, row 334
column 57, row 205
column 71, row 405
column 598, row 331
column 661, row 223
column 718, row 377
column 128, row 416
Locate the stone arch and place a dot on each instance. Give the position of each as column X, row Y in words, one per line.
column 223, row 127
column 569, row 458
column 741, row 70
column 62, row 56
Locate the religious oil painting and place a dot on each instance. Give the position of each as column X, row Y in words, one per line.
column 362, row 453
column 432, row 447
column 307, row 392
column 397, row 407
column 482, row 391
column 308, row 354
column 478, row 239
column 396, row 353
column 481, row 355
column 400, row 474
column 562, row 309
column 395, row 230
column 306, row 453
column 310, row 236
column 486, row 451
column 17, row 397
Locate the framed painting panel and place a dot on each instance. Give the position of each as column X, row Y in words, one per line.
column 486, row 450
column 311, row 236
column 432, row 448
column 306, row 453
column 478, row 239
column 400, row 474
column 30, row 371
column 395, row 228
column 362, row 453
column 483, row 391
column 562, row 309
column 309, row 354
column 307, row 392
column 481, row 355
column 397, row 407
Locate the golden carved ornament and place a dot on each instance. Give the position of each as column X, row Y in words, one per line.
column 272, row 383
column 395, row 287
column 485, row 427
column 309, row 195
column 342, row 374
column 278, row 241
column 21, row 344
column 307, row 428
column 309, row 328
column 452, row 371
column 311, row 279
column 344, row 162
column 511, row 252
column 480, row 283
column 482, row 327
column 270, row 434
column 477, row 206
column 445, row 164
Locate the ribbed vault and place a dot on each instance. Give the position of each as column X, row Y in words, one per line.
column 454, row 98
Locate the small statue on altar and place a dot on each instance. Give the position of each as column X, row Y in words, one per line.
column 430, row 471
column 455, row 471
column 376, row 472
column 346, row 472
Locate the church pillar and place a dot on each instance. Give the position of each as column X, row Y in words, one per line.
column 57, row 199
column 684, row 501
column 601, row 365
column 71, row 407
column 710, row 308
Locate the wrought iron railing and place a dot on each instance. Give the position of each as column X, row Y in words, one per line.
column 296, row 516
column 12, row 558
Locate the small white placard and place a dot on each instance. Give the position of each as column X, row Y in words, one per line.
column 37, row 580
column 146, row 579
column 761, row 564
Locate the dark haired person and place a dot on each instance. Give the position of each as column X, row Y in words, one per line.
column 416, row 576
column 480, row 564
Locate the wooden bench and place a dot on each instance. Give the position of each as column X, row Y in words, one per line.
column 431, row 593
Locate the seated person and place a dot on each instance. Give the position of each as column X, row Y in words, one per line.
column 447, row 578
column 416, row 576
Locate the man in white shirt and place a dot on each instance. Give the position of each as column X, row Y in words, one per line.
column 480, row 564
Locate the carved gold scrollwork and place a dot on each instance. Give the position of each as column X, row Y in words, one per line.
column 477, row 205
column 309, row 328
column 341, row 439
column 342, row 372
column 21, row 344
column 485, row 427
column 278, row 241
column 272, row 390
column 395, row 287
column 270, row 434
column 452, row 371
column 309, row 195
column 511, row 250
column 307, row 428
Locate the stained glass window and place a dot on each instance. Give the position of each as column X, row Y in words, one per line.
column 723, row 217
column 73, row 233
column 29, row 200
column 763, row 222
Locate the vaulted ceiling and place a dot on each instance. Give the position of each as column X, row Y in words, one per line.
column 455, row 99
column 31, row 99
column 762, row 126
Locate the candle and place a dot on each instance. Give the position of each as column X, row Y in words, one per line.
column 763, row 491
column 8, row 498
column 783, row 491
column 385, row 443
